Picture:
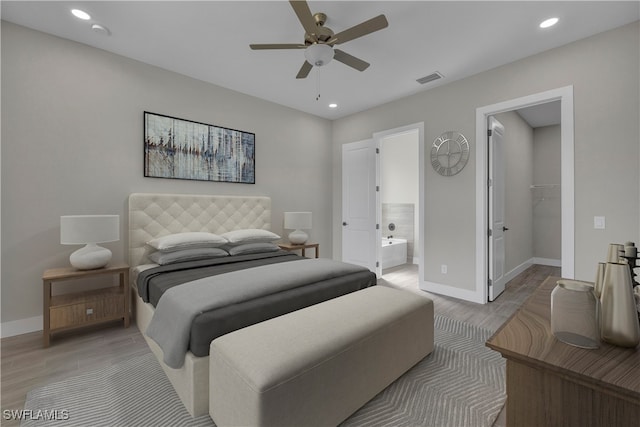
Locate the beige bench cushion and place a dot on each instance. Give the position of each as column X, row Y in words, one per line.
column 318, row 365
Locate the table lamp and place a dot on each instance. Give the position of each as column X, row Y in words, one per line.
column 297, row 221
column 89, row 230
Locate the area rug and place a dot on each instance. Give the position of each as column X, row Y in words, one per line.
column 460, row 384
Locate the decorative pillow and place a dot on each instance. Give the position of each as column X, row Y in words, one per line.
column 250, row 235
column 164, row 258
column 252, row 248
column 189, row 240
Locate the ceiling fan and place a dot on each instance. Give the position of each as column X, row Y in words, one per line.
column 319, row 41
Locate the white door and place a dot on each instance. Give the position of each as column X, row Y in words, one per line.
column 359, row 213
column 497, row 227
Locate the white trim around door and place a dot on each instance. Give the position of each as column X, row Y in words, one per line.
column 565, row 95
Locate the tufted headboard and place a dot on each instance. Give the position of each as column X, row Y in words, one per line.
column 153, row 215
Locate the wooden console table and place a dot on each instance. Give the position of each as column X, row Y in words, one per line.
column 550, row 383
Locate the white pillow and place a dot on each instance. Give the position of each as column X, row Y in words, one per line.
column 189, row 240
column 250, row 235
column 164, row 258
column 253, row 248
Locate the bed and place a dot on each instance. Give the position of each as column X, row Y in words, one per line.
column 156, row 215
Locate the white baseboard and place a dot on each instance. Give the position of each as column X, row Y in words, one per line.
column 535, row 260
column 473, row 296
column 450, row 291
column 547, row 261
column 19, row 327
column 519, row 269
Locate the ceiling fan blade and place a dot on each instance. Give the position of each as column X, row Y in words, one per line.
column 277, row 46
column 301, row 8
column 362, row 29
column 304, row 70
column 350, row 60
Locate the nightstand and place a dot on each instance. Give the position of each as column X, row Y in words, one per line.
column 80, row 309
column 302, row 247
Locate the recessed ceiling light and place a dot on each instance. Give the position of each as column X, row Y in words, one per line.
column 549, row 23
column 333, row 105
column 101, row 29
column 80, row 14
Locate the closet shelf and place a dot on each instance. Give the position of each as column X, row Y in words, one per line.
column 544, row 186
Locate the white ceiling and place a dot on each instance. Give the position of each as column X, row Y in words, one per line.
column 540, row 115
column 209, row 40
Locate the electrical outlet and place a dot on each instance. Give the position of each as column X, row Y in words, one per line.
column 443, row 269
column 598, row 222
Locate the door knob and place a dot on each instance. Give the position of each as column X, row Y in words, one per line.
column 505, row 228
column 344, row 223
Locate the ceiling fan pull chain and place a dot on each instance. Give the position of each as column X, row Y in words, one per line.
column 318, row 83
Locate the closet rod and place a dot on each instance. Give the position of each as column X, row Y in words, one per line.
column 545, row 186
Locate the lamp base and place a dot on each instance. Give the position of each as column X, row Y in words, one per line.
column 90, row 257
column 298, row 237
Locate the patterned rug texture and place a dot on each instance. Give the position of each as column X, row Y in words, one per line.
column 460, row 384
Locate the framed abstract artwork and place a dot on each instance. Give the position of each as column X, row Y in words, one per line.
column 184, row 149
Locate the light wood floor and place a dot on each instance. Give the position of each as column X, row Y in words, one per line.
column 27, row 365
column 488, row 316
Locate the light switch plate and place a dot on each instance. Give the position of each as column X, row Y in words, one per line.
column 598, row 222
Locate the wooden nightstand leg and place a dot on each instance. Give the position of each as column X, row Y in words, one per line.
column 132, row 304
column 303, row 252
column 317, row 251
column 124, row 284
column 46, row 303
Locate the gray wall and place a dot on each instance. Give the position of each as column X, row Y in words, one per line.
column 603, row 70
column 72, row 144
column 547, row 224
column 518, row 215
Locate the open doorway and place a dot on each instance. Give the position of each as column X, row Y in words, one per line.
column 524, row 192
column 564, row 189
column 400, row 207
column 399, row 200
column 361, row 203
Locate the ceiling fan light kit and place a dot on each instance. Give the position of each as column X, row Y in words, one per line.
column 319, row 41
column 318, row 54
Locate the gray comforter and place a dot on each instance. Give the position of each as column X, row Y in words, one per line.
column 154, row 282
column 176, row 310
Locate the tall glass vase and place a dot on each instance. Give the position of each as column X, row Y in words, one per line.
column 619, row 317
column 574, row 313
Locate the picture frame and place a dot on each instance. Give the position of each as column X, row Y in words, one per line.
column 177, row 148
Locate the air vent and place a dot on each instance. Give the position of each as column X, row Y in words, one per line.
column 429, row 78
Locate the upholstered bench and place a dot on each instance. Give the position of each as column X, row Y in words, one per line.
column 318, row 365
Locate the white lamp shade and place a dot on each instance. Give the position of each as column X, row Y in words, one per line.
column 318, row 54
column 89, row 230
column 297, row 220
column 82, row 229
